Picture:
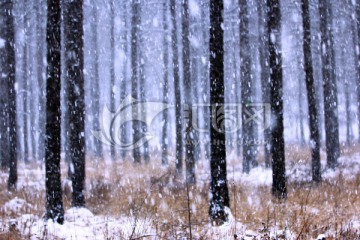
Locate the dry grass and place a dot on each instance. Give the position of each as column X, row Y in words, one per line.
column 152, row 192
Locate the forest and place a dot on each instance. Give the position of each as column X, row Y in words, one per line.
column 191, row 119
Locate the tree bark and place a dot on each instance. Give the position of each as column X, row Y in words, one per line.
column 54, row 204
column 95, row 90
column 165, row 114
column 311, row 94
column 218, row 184
column 177, row 90
column 265, row 83
column 112, row 67
column 135, row 21
column 74, row 65
column 276, row 99
column 248, row 130
column 7, row 77
column 189, row 131
column 329, row 83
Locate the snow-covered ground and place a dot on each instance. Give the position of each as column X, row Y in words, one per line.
column 22, row 216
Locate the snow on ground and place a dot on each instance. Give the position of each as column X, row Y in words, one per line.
column 80, row 223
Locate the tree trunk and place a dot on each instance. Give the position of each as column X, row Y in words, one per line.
column 248, row 130
column 177, row 90
column 124, row 42
column 74, row 65
column 218, row 184
column 311, row 94
column 276, row 99
column 142, row 96
column 5, row 32
column 25, row 93
column 135, row 21
column 41, row 81
column 54, row 204
column 265, row 84
column 329, row 83
column 7, row 76
column 357, row 51
column 95, row 90
column 165, row 114
column 189, row 131
column 112, row 67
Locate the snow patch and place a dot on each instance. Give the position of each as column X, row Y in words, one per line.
column 2, row 43
column 80, row 223
column 16, row 205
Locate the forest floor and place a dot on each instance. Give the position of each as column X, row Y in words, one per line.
column 145, row 201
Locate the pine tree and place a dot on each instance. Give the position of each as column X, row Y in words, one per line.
column 135, row 22
column 112, row 66
column 189, row 131
column 218, row 184
column 74, row 65
column 264, row 73
column 165, row 115
column 54, row 204
column 177, row 90
column 276, row 100
column 95, row 89
column 248, row 128
column 329, row 83
column 311, row 94
column 8, row 147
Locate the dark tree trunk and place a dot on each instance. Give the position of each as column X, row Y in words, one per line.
column 329, row 83
column 311, row 94
column 8, row 97
column 135, row 22
column 218, row 184
column 112, row 67
column 165, row 114
column 74, row 65
column 265, row 83
column 276, row 99
column 177, row 90
column 5, row 66
column 248, row 130
column 54, row 204
column 189, row 131
column 95, row 90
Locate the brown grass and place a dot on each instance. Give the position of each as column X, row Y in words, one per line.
column 152, row 192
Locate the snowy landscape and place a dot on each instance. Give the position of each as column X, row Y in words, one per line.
column 191, row 119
